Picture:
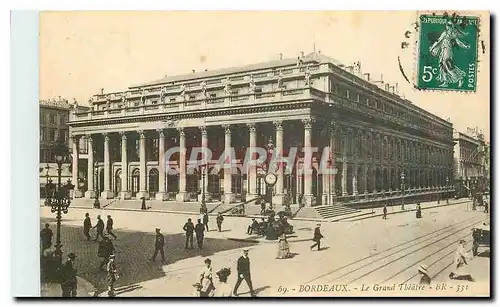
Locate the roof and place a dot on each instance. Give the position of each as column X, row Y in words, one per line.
column 311, row 57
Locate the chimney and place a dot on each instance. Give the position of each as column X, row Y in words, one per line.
column 102, row 91
column 387, row 86
column 302, row 53
column 281, row 56
column 366, row 76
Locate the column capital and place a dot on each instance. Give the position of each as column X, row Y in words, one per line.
column 252, row 127
column 89, row 137
column 123, row 134
column 161, row 133
column 106, row 136
column 308, row 122
column 278, row 124
column 75, row 137
column 203, row 130
column 227, row 129
column 182, row 131
column 333, row 126
column 142, row 134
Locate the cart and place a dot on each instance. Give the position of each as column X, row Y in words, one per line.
column 481, row 237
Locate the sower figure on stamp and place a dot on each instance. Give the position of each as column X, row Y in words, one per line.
column 189, row 229
column 106, row 248
column 100, row 228
column 46, row 237
column 87, row 225
column 69, row 282
column 159, row 245
column 111, row 276
column 243, row 268
column 219, row 220
column 317, row 237
column 109, row 227
column 199, row 230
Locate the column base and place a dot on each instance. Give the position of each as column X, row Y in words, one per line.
column 279, row 200
column 208, row 196
column 229, row 198
column 161, row 196
column 77, row 194
column 142, row 194
column 325, row 200
column 182, row 196
column 309, row 200
column 125, row 195
column 331, row 199
column 107, row 195
column 344, row 193
column 89, row 194
column 355, row 193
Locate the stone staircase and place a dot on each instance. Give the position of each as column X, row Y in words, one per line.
column 325, row 212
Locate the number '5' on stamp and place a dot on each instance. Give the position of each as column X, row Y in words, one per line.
column 447, row 52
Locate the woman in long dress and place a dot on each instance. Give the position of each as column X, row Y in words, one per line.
column 283, row 247
column 223, row 288
column 443, row 48
column 461, row 266
column 206, row 282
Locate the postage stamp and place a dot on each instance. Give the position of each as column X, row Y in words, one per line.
column 447, row 52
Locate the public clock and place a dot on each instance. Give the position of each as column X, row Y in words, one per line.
column 271, row 178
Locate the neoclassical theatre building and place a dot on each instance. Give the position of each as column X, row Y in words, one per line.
column 378, row 141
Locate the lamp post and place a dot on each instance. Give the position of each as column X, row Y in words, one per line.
column 97, row 204
column 447, row 188
column 270, row 150
column 202, row 172
column 402, row 190
column 60, row 203
column 48, row 186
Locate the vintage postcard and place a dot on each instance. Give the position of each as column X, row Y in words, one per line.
column 265, row 154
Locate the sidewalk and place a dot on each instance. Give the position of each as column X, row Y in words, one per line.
column 84, row 289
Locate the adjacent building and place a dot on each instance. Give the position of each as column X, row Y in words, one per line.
column 378, row 142
column 470, row 155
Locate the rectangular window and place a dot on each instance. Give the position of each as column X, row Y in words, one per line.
column 358, row 97
column 347, row 93
column 192, row 97
column 258, row 92
column 172, row 100
column 234, row 93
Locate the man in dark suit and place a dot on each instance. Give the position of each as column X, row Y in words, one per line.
column 189, row 229
column 100, row 228
column 87, row 225
column 317, row 237
column 109, row 227
column 159, row 244
column 199, row 229
column 46, row 237
column 69, row 282
column 205, row 220
column 243, row 268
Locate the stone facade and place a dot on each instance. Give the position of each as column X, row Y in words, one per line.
column 470, row 156
column 372, row 135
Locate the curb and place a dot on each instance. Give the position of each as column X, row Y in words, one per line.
column 264, row 240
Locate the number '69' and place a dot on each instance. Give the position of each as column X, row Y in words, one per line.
column 428, row 73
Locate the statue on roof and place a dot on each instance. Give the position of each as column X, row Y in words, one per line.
column 143, row 96
column 183, row 91
column 163, row 91
column 203, row 85
column 108, row 101
column 227, row 86
column 75, row 103
column 251, row 84
column 307, row 77
column 280, row 79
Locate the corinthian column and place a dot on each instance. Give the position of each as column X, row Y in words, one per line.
column 106, row 194
column 74, row 175
column 252, row 167
column 125, row 192
column 182, row 195
column 161, row 195
column 229, row 196
column 307, row 169
column 279, row 196
column 142, row 167
column 205, row 161
column 331, row 177
column 90, row 193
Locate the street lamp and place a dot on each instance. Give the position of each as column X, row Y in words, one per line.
column 97, row 204
column 402, row 190
column 202, row 172
column 447, row 188
column 60, row 203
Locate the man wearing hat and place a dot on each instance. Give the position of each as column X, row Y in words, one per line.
column 100, row 228
column 109, row 227
column 159, row 244
column 105, row 249
column 243, row 268
column 112, row 276
column 68, row 281
column 46, row 237
column 317, row 237
column 87, row 225
column 424, row 275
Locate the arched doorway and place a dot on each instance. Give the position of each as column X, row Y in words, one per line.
column 118, row 182
column 153, row 182
column 237, row 183
column 101, row 181
column 192, row 184
column 172, row 183
column 135, row 182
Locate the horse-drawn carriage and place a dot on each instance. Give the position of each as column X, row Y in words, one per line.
column 481, row 237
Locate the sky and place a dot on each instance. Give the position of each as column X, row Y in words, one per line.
column 82, row 52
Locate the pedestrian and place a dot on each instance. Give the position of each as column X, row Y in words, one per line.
column 100, row 228
column 109, row 227
column 106, row 248
column 189, row 228
column 159, row 245
column 207, row 285
column 419, row 211
column 424, row 275
column 243, row 268
column 87, row 225
column 253, row 227
column 69, row 282
column 486, row 206
column 223, row 289
column 46, row 237
column 385, row 212
column 205, row 220
column 283, row 247
column 219, row 220
column 461, row 266
column 317, row 237
column 199, row 229
column 262, row 207
column 112, row 275
column 143, row 203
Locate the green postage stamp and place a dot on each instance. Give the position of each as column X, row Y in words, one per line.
column 447, row 52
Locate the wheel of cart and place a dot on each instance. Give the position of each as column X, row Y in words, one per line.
column 480, row 238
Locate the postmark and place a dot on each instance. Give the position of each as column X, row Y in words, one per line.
column 447, row 52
